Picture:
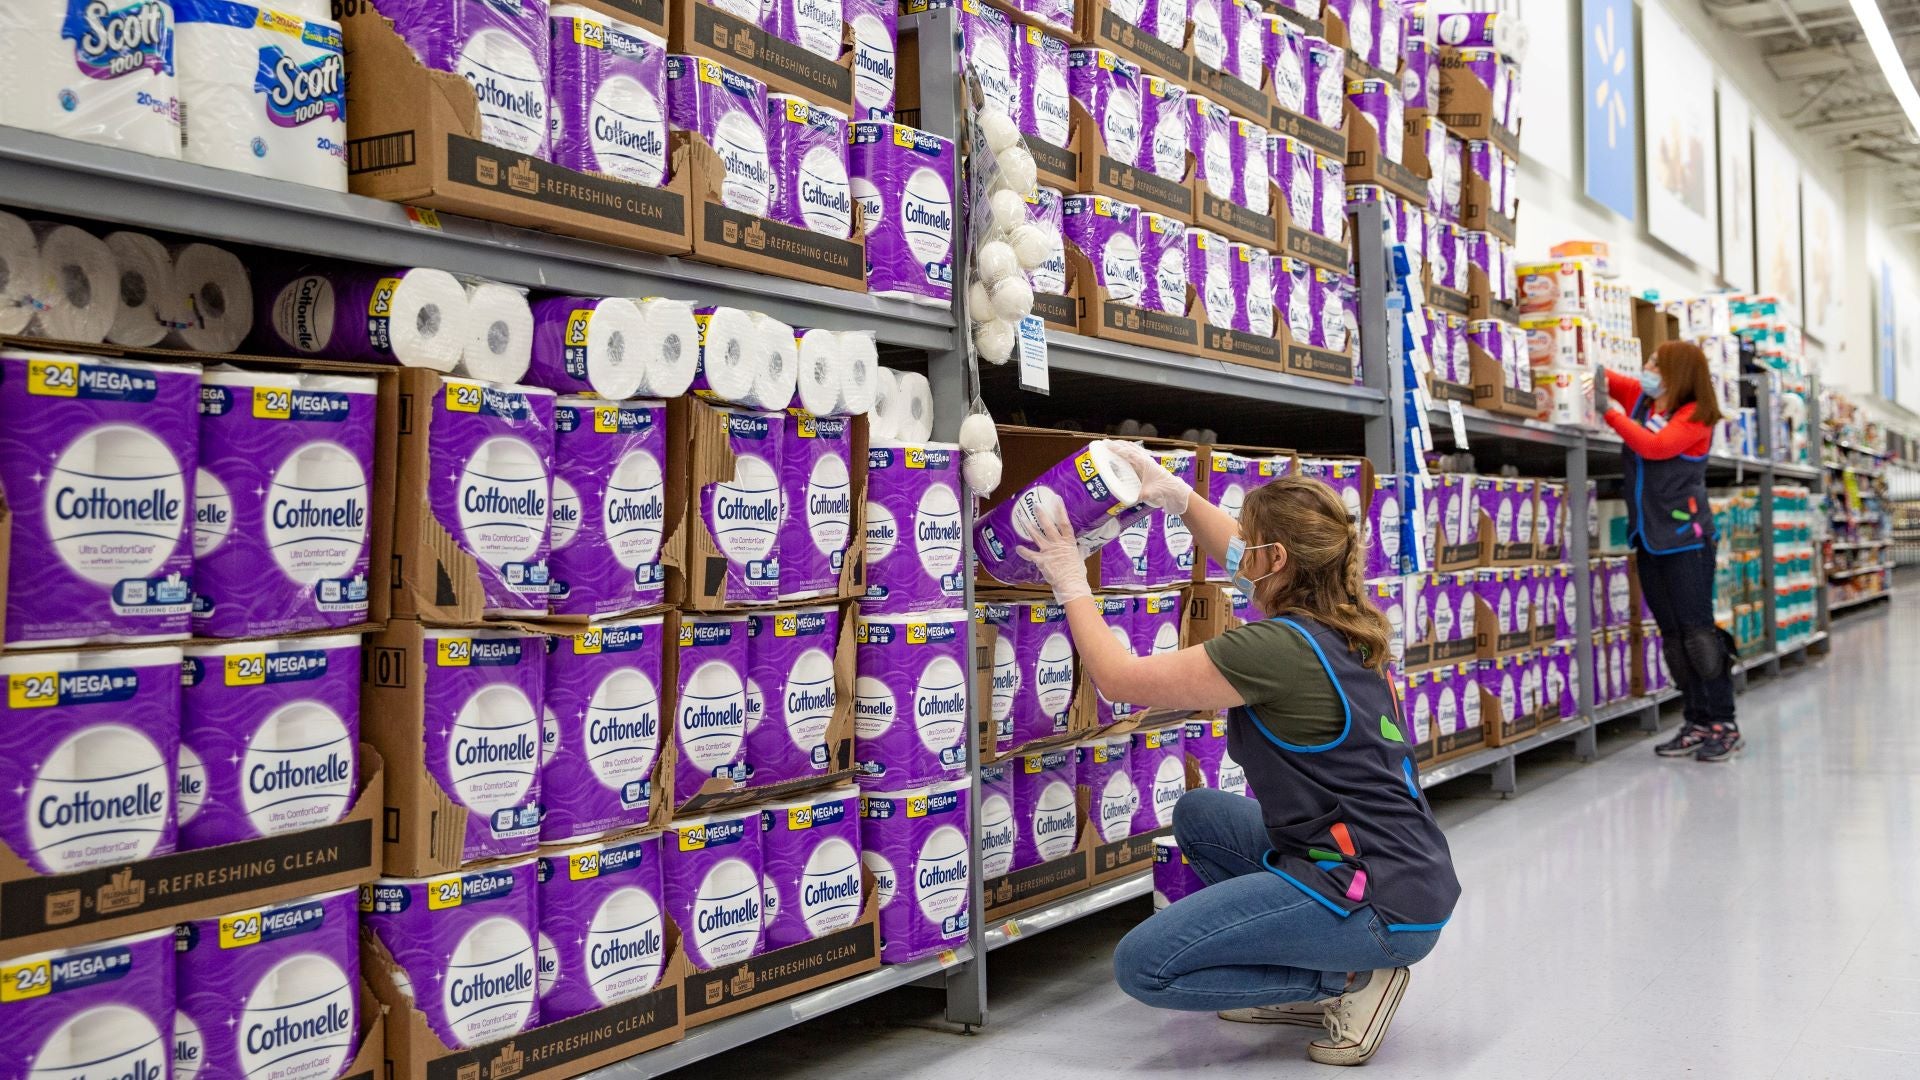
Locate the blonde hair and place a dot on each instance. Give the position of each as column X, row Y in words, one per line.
column 1326, row 570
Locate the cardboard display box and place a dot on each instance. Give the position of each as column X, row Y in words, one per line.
column 1503, row 715
column 724, row 236
column 1103, row 174
column 1502, row 500
column 1097, row 316
column 1416, row 710
column 1448, row 300
column 1082, row 715
column 1367, row 165
column 1121, row 858
column 1253, row 103
column 698, row 28
column 1275, row 352
column 1035, row 886
column 1490, row 389
column 1299, row 242
column 1477, row 210
column 781, row 973
column 1212, row 610
column 1469, row 732
column 54, row 911
column 1491, row 639
column 1231, row 220
column 417, row 141
column 1481, row 303
column 1466, row 103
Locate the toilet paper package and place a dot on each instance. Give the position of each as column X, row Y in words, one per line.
column 1007, row 680
column 1160, row 773
column 501, row 49
column 916, row 844
column 743, row 514
column 1205, row 745
column 728, row 111
column 394, row 315
column 1253, row 187
column 1174, row 878
column 1348, row 479
column 910, row 698
column 1163, row 263
column 269, row 991
column 1208, row 19
column 483, row 699
column 1326, row 83
column 269, row 738
column 1056, row 14
column 1045, row 109
column 913, row 528
column 810, row 866
column 712, row 869
column 1253, row 281
column 262, row 91
column 1330, row 206
column 1229, row 478
column 1293, row 298
column 816, row 481
column 88, row 756
column 603, row 934
column 1210, row 138
column 1244, row 27
column 986, row 50
column 1379, row 101
column 589, row 344
column 1106, row 232
column 1043, row 654
column 463, row 948
column 807, row 145
column 1163, row 128
column 101, row 74
column 1108, row 87
column 710, row 702
column 1420, row 75
column 1210, row 275
column 609, row 96
column 1384, row 522
column 1170, row 542
column 1166, row 20
column 875, row 47
column 1045, row 808
column 996, row 825
column 600, row 728
column 499, row 347
column 1098, row 493
column 903, row 180
column 1119, row 613
column 1043, row 209
column 609, row 506
column 1286, row 57
column 490, row 450
column 814, row 25
column 1106, row 775
column 793, row 693
column 1156, row 622
column 71, row 294
column 282, row 502
column 103, row 1009
column 1290, row 162
column 96, row 460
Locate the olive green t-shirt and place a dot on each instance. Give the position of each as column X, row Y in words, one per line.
column 1275, row 670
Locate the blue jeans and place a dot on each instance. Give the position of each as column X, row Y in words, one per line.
column 1248, row 938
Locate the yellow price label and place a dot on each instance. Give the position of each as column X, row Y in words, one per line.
column 29, row 980
column 239, row 931
column 33, row 690
column 465, row 397
column 272, row 403
column 247, row 670
column 453, row 652
column 424, row 218
column 53, row 378
column 445, row 893
column 583, row 865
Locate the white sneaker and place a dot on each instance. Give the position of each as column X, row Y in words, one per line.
column 1307, row 1014
column 1358, row 1021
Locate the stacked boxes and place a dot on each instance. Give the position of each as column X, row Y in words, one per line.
column 1578, row 326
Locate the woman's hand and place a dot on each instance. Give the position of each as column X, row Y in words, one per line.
column 1058, row 557
column 1613, row 405
column 1159, row 488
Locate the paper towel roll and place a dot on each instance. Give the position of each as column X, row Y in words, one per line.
column 583, row 343
column 77, row 294
column 774, row 375
column 19, row 270
column 103, row 73
column 914, row 406
column 729, row 359
column 883, row 418
column 669, row 347
column 146, row 282
column 823, row 358
column 215, row 306
column 861, row 376
column 263, row 93
column 501, row 344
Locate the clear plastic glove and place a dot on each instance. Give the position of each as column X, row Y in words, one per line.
column 1159, row 488
column 1058, row 557
column 1613, row 405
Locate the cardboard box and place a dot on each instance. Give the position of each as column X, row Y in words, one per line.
column 53, row 911
column 1466, row 103
column 1103, row 174
column 1502, row 715
column 1277, row 352
column 1506, row 506
column 781, row 973
column 1490, row 389
column 1212, row 610
column 1100, row 317
column 416, row 140
column 1653, row 326
column 1083, row 714
column 1037, row 885
column 1458, row 713
column 1417, row 708
column 1097, row 26
column 1481, row 303
column 1451, row 301
column 1254, row 103
column 1478, row 209
column 1367, row 165
column 724, row 236
column 698, row 28
column 1121, row 858
column 1502, row 618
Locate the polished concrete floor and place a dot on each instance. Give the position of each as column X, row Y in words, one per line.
column 1630, row 919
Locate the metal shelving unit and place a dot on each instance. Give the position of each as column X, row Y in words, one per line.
column 1066, row 910
column 1857, row 601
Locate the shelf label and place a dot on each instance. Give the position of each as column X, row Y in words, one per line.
column 1032, row 347
column 1011, row 929
column 1459, row 420
column 948, row 958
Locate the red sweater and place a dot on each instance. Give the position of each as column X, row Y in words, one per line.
column 1681, row 435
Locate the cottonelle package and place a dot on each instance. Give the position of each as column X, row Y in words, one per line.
column 995, row 824
column 602, row 929
column 916, row 845
column 601, row 728
column 100, row 1009
column 810, row 866
column 414, row 317
column 1110, row 793
column 501, row 49
column 710, row 702
column 1034, row 670
column 913, row 528
column 1160, row 773
column 713, row 886
column 816, row 480
column 792, row 696
column 903, row 180
column 1045, row 806
column 1174, row 878
column 609, row 93
column 1094, row 488
column 1205, row 744
column 910, row 698
column 608, row 523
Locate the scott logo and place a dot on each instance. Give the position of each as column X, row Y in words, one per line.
column 297, row 93
column 111, row 42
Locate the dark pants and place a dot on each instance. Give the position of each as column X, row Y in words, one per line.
column 1679, row 591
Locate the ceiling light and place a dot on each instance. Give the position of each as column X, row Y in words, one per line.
column 1891, row 65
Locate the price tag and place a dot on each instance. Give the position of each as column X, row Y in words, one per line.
column 1459, row 420
column 948, row 958
column 422, row 218
column 1032, row 347
column 1012, row 929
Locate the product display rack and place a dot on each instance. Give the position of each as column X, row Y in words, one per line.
column 1857, row 469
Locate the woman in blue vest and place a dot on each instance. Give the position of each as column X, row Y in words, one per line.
column 1322, row 891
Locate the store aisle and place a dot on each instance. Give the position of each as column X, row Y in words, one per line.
column 1634, row 918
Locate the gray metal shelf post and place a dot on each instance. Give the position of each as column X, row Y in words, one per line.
column 1578, row 547
column 1379, row 339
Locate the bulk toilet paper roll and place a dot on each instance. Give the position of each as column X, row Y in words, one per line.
column 146, row 291
column 1106, row 774
column 1045, row 806
column 916, row 845
column 19, row 273
column 99, row 74
column 669, row 347
column 713, row 886
column 609, row 506
column 914, row 407
column 1098, row 492
column 491, row 488
column 587, row 344
column 883, row 418
column 94, row 1026
column 730, row 363
column 500, row 347
column 914, row 528
column 810, row 866
column 262, row 91
column 603, row 935
column 861, row 376
column 710, row 718
column 910, row 698
column 413, row 317
column 78, row 291
column 823, row 359
column 464, row 947
column 778, row 365
column 214, row 298
column 602, row 729
column 903, row 180
column 807, row 145
column 483, row 697
column 791, row 693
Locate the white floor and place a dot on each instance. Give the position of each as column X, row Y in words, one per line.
column 1631, row 919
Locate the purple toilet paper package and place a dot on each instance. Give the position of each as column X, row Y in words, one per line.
column 1384, row 521
column 817, row 492
column 914, row 530
column 1379, row 101
column 901, row 177
column 986, row 48
column 282, row 504
column 1204, row 742
column 1290, row 164
column 1210, row 138
column 1163, row 263
column 105, row 1009
column 1159, row 767
column 1170, row 542
column 1106, row 232
column 1174, row 879
column 609, row 96
column 1286, row 58
column 916, row 843
column 1326, row 83
column 791, row 696
column 502, row 49
column 1253, row 282
column 1043, row 654
column 1253, row 184
column 910, row 698
column 600, row 735
column 807, row 149
column 1043, row 209
column 996, row 825
column 1108, row 87
column 1156, row 622
column 712, row 868
column 1057, row 14
column 1118, row 612
column 1420, row 76
column 1045, row 809
column 96, row 464
column 1293, row 298
column 1330, row 205
column 1096, row 490
column 269, row 738
column 1007, row 680
column 1346, row 477
column 483, row 697
column 1106, row 775
column 272, row 991
column 875, row 47
column 810, row 866
column 815, row 25
column 1210, row 276
column 744, row 515
column 1245, row 31
column 1163, row 128
column 464, row 948
column 729, row 111
column 1169, row 20
column 710, row 703
column 602, row 931
column 609, row 506
column 491, row 449
column 1208, row 40
column 1045, row 109
column 88, row 755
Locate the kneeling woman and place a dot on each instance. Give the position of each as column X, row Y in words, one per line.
column 1322, row 891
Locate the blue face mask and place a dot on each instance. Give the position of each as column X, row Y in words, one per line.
column 1236, row 551
column 1650, row 383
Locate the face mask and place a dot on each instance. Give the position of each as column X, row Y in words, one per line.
column 1650, row 383
column 1236, row 551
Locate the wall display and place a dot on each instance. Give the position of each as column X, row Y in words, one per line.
column 1776, row 215
column 1822, row 244
column 1608, row 78
column 1736, row 189
column 1682, row 188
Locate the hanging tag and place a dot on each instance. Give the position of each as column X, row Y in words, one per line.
column 1459, row 425
column 1032, row 346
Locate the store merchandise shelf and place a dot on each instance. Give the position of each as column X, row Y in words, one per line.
column 1855, row 545
column 1077, row 906
column 1791, row 471
column 722, row 1035
column 1082, row 355
column 1856, row 571
column 1494, row 755
column 60, row 176
column 1481, row 422
column 1856, row 601
column 1634, row 705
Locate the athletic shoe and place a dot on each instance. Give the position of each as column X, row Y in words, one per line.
column 1307, row 1014
column 1683, row 744
column 1721, row 744
column 1357, row 1021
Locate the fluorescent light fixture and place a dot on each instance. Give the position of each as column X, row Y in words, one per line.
column 1891, row 66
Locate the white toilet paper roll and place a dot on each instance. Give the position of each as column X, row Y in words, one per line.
column 823, row 356
column 861, row 375
column 501, row 344
column 779, row 363
column 883, row 419
column 146, row 282
column 913, row 402
column 106, row 76
column 19, row 270
column 729, row 359
column 432, row 321
column 78, row 292
column 669, row 346
column 588, row 343
column 216, row 299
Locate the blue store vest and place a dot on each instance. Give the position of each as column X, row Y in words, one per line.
column 1667, row 508
column 1347, row 819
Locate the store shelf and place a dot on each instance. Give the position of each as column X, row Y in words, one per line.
column 1633, row 706
column 722, row 1035
column 1789, row 471
column 1843, row 574
column 1856, row 601
column 1061, row 912
column 1480, row 422
column 1857, row 545
column 61, row 176
column 1493, row 755
column 1080, row 355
